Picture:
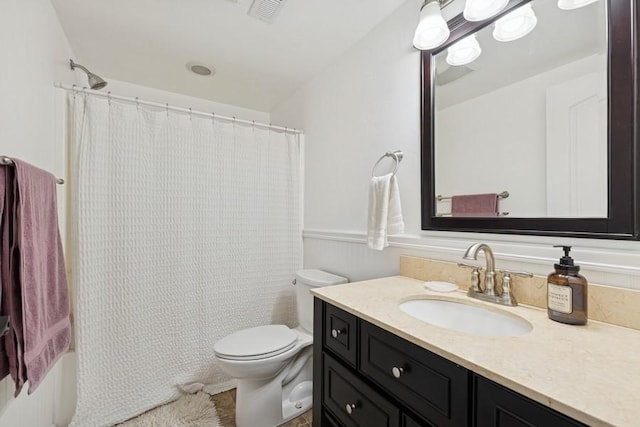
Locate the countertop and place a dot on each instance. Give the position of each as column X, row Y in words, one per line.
column 590, row 373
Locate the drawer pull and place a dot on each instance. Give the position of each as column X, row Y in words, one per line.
column 336, row 332
column 349, row 407
column 397, row 372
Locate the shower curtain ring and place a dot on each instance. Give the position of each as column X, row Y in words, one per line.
column 109, row 98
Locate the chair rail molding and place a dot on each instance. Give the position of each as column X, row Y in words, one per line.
column 615, row 263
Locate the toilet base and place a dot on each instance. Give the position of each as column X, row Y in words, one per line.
column 299, row 401
column 269, row 403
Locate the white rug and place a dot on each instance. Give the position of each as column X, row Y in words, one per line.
column 192, row 410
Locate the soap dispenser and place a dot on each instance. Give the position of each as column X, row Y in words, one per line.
column 567, row 292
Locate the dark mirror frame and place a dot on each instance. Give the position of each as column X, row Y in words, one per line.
column 623, row 221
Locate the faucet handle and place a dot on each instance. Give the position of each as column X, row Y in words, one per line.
column 507, row 296
column 475, row 277
column 508, row 273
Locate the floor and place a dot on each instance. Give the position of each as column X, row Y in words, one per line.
column 226, row 408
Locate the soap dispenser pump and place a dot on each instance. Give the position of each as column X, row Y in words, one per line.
column 567, row 292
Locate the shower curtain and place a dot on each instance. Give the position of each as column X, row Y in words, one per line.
column 185, row 230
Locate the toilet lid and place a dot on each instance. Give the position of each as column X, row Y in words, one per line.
column 256, row 343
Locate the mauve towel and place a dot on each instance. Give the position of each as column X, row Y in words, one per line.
column 46, row 327
column 4, row 264
column 475, row 205
column 12, row 344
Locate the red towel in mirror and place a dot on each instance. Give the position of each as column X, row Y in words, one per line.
column 475, row 205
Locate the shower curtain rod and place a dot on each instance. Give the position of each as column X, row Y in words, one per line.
column 166, row 106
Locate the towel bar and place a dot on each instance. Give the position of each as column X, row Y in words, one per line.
column 503, row 195
column 4, row 160
column 397, row 157
column 449, row 214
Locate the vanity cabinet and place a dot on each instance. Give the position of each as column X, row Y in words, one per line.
column 366, row 376
column 429, row 385
column 352, row 401
column 495, row 405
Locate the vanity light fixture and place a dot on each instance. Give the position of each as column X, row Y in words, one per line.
column 515, row 24
column 464, row 51
column 574, row 4
column 432, row 30
column 479, row 10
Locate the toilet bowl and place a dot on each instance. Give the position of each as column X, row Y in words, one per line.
column 273, row 363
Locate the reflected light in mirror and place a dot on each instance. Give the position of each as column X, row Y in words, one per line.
column 516, row 24
column 464, row 51
column 432, row 29
column 479, row 10
column 574, row 4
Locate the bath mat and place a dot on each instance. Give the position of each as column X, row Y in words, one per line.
column 192, row 410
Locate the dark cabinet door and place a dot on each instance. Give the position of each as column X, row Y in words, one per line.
column 497, row 406
column 408, row 421
column 340, row 335
column 352, row 402
column 428, row 384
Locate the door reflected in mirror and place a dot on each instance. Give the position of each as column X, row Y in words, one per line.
column 526, row 116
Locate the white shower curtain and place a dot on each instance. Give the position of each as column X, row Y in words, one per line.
column 186, row 229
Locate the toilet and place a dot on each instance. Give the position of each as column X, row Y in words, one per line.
column 273, row 363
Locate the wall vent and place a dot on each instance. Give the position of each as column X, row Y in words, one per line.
column 266, row 10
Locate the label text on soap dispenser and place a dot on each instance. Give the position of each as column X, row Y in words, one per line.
column 559, row 298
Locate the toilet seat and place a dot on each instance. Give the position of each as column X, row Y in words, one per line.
column 256, row 343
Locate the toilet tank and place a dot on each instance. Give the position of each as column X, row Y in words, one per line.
column 305, row 281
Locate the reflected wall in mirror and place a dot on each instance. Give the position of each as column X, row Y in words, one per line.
column 549, row 117
column 528, row 116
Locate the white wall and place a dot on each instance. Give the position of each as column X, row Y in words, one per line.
column 178, row 100
column 34, row 53
column 367, row 103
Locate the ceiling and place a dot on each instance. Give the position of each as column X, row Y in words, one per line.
column 149, row 42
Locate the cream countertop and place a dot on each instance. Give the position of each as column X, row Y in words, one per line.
column 590, row 373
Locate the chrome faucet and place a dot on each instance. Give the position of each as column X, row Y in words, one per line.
column 487, row 293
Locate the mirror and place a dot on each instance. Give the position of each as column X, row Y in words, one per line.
column 546, row 122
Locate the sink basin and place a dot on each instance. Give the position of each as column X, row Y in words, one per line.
column 467, row 318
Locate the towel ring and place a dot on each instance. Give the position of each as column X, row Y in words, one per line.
column 397, row 157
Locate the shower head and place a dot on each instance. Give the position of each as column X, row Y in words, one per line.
column 95, row 82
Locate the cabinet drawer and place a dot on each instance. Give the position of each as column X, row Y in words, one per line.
column 433, row 387
column 498, row 406
column 352, row 402
column 340, row 333
column 407, row 421
column 327, row 420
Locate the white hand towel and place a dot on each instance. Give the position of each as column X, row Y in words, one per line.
column 385, row 212
column 395, row 223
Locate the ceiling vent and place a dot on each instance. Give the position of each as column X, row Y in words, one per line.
column 266, row 10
